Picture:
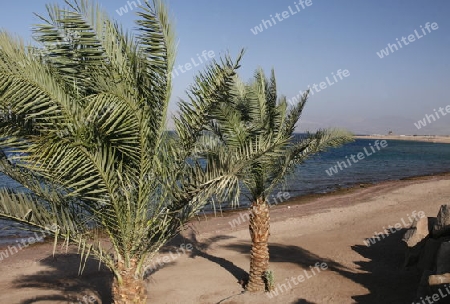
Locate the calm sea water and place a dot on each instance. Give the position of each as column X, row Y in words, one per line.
column 400, row 159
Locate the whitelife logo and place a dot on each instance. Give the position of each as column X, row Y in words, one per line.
column 393, row 228
column 245, row 216
column 343, row 165
column 130, row 4
column 201, row 59
column 314, row 270
column 423, row 123
column 323, row 85
column 391, row 48
column 265, row 24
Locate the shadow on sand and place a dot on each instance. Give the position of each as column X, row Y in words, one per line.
column 200, row 249
column 63, row 278
column 381, row 269
column 302, row 301
column 387, row 280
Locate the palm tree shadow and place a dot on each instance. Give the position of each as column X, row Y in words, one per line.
column 278, row 253
column 380, row 267
column 381, row 270
column 302, row 301
column 173, row 246
column 93, row 286
column 294, row 254
column 200, row 249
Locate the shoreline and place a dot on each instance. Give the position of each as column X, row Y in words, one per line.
column 420, row 138
column 310, row 198
column 310, row 204
column 305, row 198
column 328, row 228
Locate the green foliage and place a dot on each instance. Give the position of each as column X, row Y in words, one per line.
column 269, row 278
column 83, row 128
column 251, row 137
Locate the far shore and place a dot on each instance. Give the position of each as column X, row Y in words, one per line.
column 425, row 138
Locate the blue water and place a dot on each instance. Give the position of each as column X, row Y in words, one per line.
column 400, row 159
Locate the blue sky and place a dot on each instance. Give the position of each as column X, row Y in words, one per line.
column 379, row 94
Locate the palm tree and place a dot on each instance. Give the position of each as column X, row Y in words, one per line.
column 254, row 116
column 82, row 127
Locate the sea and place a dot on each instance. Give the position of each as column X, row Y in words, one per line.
column 364, row 161
column 390, row 160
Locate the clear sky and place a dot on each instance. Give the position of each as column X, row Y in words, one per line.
column 307, row 44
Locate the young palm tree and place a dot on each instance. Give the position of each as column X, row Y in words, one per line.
column 82, row 127
column 253, row 114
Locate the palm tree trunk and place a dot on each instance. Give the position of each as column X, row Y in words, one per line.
column 259, row 255
column 129, row 289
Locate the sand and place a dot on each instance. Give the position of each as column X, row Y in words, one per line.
column 426, row 138
column 328, row 229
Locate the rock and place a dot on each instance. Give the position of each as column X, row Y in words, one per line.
column 422, row 226
column 417, row 233
column 424, row 287
column 412, row 254
column 439, row 294
column 428, row 245
column 428, row 255
column 438, row 279
column 431, row 222
column 443, row 259
column 442, row 225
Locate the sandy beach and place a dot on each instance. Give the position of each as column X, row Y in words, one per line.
column 429, row 138
column 317, row 240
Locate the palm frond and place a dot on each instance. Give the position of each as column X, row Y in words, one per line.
column 300, row 150
column 211, row 88
column 255, row 116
